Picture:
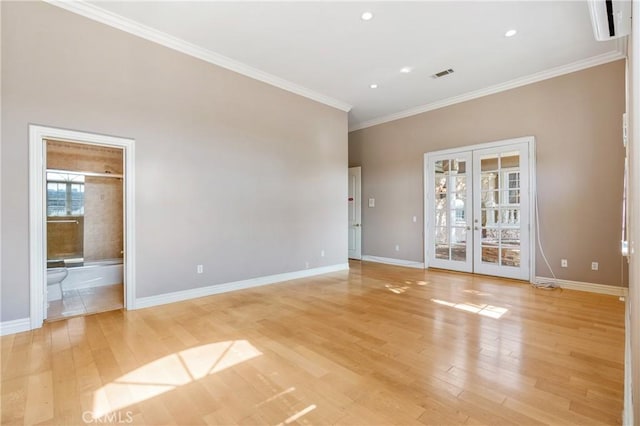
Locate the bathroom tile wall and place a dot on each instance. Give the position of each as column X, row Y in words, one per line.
column 102, row 234
column 103, row 218
column 83, row 158
column 65, row 237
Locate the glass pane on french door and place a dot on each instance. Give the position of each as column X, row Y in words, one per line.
column 449, row 219
column 501, row 211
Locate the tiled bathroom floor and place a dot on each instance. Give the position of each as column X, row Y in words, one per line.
column 86, row 301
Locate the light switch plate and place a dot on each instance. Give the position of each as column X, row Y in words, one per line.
column 372, row 202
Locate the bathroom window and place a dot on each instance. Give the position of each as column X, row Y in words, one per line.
column 65, row 194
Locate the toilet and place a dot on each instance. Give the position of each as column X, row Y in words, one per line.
column 54, row 278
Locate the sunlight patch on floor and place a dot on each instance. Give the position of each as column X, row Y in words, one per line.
column 480, row 309
column 276, row 396
column 170, row 372
column 399, row 289
column 396, row 288
column 477, row 292
column 298, row 415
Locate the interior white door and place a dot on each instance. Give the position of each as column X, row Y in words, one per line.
column 355, row 213
column 449, row 188
column 501, row 213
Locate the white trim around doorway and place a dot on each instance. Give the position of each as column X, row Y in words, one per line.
column 530, row 141
column 37, row 215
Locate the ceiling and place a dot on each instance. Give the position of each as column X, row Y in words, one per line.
column 324, row 50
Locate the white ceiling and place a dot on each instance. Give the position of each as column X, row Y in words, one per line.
column 325, row 50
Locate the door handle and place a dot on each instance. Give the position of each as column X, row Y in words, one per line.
column 476, row 228
column 356, row 225
column 468, row 228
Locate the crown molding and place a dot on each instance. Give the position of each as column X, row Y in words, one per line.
column 511, row 84
column 96, row 13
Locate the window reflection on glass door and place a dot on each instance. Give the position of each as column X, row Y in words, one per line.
column 451, row 212
column 500, row 208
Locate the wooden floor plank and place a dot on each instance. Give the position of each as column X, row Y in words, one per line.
column 378, row 344
column 39, row 406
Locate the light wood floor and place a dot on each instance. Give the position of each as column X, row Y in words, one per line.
column 376, row 345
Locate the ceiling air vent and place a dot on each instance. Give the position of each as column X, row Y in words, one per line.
column 442, row 73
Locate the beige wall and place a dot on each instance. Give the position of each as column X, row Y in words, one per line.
column 576, row 120
column 242, row 177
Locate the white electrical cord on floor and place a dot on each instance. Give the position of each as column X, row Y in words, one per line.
column 554, row 283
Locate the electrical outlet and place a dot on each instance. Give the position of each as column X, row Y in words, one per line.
column 594, row 266
column 415, row 219
column 397, row 247
column 563, row 263
column 200, row 269
column 321, row 253
column 306, row 265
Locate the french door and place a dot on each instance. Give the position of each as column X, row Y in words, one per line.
column 478, row 209
column 450, row 215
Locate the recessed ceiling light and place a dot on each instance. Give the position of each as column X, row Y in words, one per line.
column 373, row 86
column 366, row 16
column 406, row 70
column 510, row 33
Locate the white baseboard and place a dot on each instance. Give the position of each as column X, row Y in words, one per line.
column 390, row 261
column 15, row 326
column 178, row 296
column 590, row 287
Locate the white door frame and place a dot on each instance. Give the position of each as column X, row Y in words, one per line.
column 531, row 142
column 37, row 212
column 356, row 222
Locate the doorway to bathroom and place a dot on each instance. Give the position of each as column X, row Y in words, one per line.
column 85, row 228
column 81, row 223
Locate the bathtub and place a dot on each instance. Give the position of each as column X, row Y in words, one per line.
column 94, row 274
